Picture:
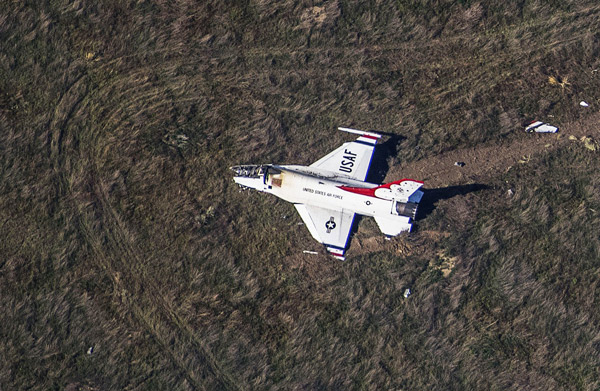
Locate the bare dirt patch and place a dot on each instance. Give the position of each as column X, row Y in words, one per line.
column 316, row 17
column 484, row 162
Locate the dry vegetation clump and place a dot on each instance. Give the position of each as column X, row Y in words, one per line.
column 121, row 230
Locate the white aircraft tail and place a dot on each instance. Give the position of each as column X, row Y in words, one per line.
column 404, row 190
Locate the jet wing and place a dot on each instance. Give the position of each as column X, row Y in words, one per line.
column 352, row 159
column 329, row 227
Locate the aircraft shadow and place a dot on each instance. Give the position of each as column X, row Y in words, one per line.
column 430, row 199
column 432, row 196
column 379, row 165
column 379, row 168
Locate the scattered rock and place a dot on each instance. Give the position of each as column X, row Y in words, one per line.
column 562, row 82
column 317, row 17
column 207, row 39
column 205, row 216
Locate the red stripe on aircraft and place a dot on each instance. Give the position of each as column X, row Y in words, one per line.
column 369, row 136
column 359, row 190
column 370, row 192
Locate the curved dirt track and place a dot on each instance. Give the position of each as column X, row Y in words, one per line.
column 119, row 257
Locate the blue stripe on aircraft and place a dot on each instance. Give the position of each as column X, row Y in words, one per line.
column 364, row 142
column 336, row 247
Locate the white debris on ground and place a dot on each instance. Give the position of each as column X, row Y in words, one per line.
column 90, row 350
column 407, row 292
column 459, row 164
column 310, row 252
column 584, row 104
column 510, row 192
column 541, row 127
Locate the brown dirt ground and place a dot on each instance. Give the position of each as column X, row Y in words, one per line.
column 483, row 162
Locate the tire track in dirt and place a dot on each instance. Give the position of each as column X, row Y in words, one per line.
column 122, row 263
column 57, row 126
column 66, row 106
column 350, row 50
column 142, row 316
column 117, row 232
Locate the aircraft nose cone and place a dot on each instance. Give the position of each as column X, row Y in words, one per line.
column 253, row 183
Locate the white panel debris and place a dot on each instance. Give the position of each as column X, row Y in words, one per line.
column 407, row 292
column 584, row 104
column 541, row 127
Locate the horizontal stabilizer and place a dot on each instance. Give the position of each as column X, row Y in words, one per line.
column 399, row 190
column 404, row 190
column 365, row 137
column 392, row 226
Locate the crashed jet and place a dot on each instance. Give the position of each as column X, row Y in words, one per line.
column 332, row 190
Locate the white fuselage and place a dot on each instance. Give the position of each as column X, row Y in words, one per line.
column 331, row 191
column 308, row 186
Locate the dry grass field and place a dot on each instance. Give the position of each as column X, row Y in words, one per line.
column 129, row 260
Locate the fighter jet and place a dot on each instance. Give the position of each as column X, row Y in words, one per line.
column 331, row 191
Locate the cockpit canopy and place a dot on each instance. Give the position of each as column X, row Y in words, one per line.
column 250, row 171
